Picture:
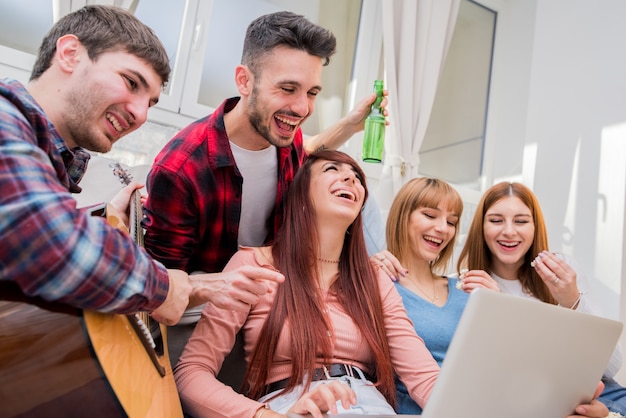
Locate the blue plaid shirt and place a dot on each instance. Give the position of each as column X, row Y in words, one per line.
column 48, row 247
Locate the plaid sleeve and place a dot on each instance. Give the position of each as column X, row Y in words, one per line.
column 54, row 250
column 171, row 218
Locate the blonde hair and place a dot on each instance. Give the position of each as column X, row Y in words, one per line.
column 418, row 193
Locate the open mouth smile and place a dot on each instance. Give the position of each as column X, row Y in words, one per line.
column 286, row 124
column 346, row 194
column 115, row 122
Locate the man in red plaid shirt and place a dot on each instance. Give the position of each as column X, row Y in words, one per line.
column 219, row 183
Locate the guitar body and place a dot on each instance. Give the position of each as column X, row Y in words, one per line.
column 58, row 361
column 71, row 363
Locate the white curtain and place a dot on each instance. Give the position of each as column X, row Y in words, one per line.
column 416, row 37
column 62, row 7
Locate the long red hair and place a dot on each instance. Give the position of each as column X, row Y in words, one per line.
column 297, row 300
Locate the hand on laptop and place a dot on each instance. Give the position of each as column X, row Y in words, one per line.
column 324, row 399
column 595, row 409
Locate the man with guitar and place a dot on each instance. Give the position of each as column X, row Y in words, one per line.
column 98, row 71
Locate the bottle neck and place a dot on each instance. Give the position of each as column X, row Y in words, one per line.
column 378, row 89
column 376, row 110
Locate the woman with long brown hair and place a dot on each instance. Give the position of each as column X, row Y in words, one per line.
column 332, row 336
column 421, row 231
column 508, row 241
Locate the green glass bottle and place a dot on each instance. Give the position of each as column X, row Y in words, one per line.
column 374, row 133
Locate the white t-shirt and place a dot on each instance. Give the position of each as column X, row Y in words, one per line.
column 260, row 181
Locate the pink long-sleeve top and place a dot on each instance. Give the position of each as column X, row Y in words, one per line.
column 214, row 336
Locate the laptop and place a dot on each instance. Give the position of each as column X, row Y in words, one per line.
column 517, row 357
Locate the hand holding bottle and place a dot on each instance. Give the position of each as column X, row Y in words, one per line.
column 374, row 133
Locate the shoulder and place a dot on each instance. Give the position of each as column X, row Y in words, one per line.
column 255, row 256
column 453, row 281
column 19, row 112
column 185, row 147
column 456, row 294
column 387, row 288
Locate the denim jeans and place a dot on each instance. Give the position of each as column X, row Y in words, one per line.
column 613, row 396
column 369, row 399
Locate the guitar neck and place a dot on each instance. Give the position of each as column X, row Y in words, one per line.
column 136, row 215
column 136, row 211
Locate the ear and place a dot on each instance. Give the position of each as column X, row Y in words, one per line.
column 244, row 79
column 68, row 53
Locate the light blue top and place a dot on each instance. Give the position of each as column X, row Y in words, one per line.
column 436, row 325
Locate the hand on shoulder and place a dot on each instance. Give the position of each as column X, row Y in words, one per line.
column 389, row 264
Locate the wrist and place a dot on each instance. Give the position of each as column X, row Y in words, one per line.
column 262, row 410
column 576, row 303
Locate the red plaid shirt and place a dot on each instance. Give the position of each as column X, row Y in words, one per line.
column 194, row 195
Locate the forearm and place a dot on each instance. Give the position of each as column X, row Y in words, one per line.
column 80, row 260
column 333, row 137
column 55, row 251
column 201, row 393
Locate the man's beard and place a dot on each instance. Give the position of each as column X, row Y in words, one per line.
column 80, row 124
column 255, row 116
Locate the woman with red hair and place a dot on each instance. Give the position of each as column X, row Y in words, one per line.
column 508, row 242
column 332, row 336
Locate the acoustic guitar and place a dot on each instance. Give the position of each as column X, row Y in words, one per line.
column 59, row 361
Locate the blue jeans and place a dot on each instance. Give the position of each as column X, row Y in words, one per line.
column 405, row 405
column 369, row 400
column 613, row 396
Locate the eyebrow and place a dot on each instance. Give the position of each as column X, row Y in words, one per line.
column 340, row 164
column 517, row 215
column 298, row 84
column 438, row 209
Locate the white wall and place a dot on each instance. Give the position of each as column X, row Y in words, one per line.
column 558, row 111
column 577, row 94
column 557, row 121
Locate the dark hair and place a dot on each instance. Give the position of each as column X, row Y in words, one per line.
column 285, row 28
column 476, row 255
column 297, row 299
column 103, row 29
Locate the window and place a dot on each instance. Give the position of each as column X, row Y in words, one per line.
column 203, row 39
column 454, row 141
column 219, row 33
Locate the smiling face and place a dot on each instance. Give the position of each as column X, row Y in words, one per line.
column 107, row 99
column 509, row 231
column 430, row 231
column 336, row 191
column 283, row 93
